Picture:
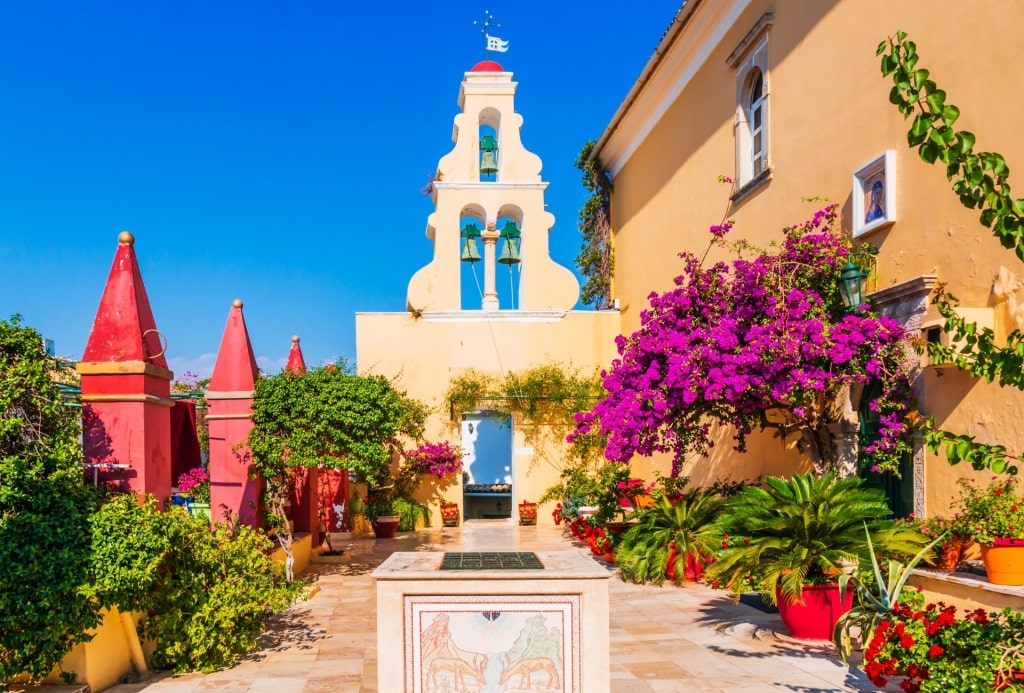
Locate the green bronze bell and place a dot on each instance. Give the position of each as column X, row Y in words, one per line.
column 470, row 252
column 488, row 164
column 510, row 252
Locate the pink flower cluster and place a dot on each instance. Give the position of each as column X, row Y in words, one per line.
column 439, row 459
column 732, row 341
column 191, row 479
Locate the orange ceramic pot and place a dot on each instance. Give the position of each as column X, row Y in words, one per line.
column 1004, row 561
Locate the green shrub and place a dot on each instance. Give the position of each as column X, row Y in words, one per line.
column 205, row 593
column 409, row 511
column 44, row 513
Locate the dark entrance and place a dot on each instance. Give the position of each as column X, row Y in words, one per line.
column 899, row 492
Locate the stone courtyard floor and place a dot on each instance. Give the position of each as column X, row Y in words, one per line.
column 668, row 638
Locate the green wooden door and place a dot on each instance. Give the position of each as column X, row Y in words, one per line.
column 899, row 491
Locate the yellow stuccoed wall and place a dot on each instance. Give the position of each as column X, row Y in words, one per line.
column 829, row 115
column 424, row 354
column 435, row 340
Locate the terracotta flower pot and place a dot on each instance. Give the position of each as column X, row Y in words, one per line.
column 816, row 618
column 1004, row 561
column 527, row 513
column 385, row 526
column 450, row 514
column 949, row 553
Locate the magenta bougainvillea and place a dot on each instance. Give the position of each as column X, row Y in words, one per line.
column 439, row 459
column 755, row 343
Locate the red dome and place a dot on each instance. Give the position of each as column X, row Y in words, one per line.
column 487, row 66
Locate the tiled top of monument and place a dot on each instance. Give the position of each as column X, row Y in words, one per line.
column 558, row 565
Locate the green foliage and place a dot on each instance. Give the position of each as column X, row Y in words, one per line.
column 596, row 260
column 374, row 507
column 803, row 530
column 35, row 427
column 677, row 527
column 543, row 401
column 44, row 513
column 329, row 417
column 993, row 512
column 206, row 593
column 875, row 601
column 980, row 181
column 409, row 512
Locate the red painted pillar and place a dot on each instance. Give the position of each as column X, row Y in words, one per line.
column 126, row 404
column 234, row 486
column 305, row 482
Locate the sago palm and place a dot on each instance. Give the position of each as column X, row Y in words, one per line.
column 685, row 524
column 804, row 529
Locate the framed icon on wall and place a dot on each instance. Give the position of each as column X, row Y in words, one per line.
column 874, row 194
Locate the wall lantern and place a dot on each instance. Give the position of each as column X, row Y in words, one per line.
column 851, row 286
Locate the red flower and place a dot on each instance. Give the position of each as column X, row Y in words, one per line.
column 935, row 651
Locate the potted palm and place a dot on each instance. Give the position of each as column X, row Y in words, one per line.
column 799, row 534
column 672, row 538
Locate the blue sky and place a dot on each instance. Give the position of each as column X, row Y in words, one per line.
column 246, row 148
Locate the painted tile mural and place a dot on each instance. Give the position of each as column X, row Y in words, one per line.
column 492, row 644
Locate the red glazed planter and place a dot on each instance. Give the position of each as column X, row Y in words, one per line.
column 450, row 514
column 816, row 618
column 693, row 568
column 1004, row 561
column 385, row 526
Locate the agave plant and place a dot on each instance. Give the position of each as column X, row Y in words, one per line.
column 874, row 602
column 804, row 529
column 670, row 528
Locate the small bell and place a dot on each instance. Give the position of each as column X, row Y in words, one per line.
column 488, row 164
column 470, row 252
column 510, row 252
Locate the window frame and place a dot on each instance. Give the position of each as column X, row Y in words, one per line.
column 750, row 61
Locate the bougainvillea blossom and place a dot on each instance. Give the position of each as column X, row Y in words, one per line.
column 735, row 341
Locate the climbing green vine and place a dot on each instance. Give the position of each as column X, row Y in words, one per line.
column 980, row 181
column 542, row 401
column 596, row 260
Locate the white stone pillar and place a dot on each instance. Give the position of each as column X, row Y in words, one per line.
column 490, row 237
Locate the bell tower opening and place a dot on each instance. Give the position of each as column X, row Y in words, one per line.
column 471, row 224
column 510, row 242
column 488, row 154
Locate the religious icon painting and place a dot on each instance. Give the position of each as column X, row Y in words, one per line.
column 874, row 194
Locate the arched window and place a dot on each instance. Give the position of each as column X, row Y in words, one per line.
column 752, row 107
column 755, row 107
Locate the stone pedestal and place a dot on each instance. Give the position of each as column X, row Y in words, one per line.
column 539, row 629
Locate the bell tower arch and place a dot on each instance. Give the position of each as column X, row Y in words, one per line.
column 491, row 181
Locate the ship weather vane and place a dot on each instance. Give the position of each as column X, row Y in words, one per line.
column 493, row 42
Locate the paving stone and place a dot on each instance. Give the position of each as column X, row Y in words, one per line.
column 688, row 639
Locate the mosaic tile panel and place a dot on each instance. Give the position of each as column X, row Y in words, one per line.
column 492, row 644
